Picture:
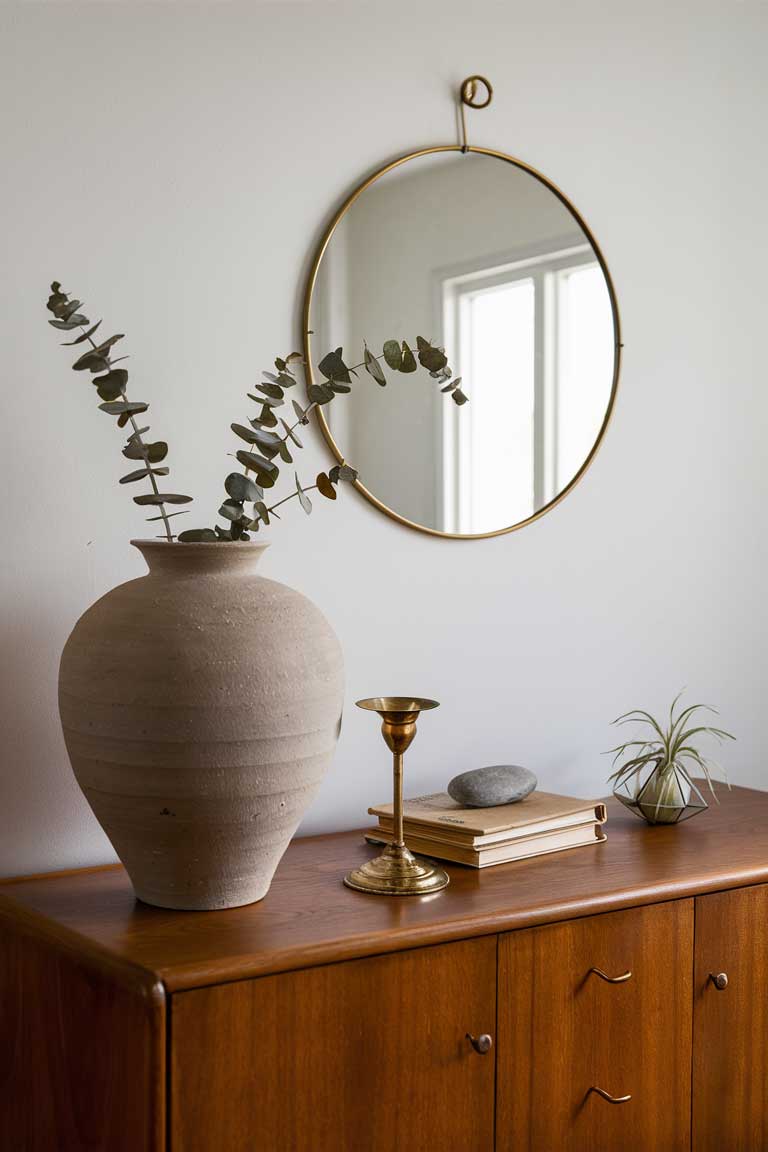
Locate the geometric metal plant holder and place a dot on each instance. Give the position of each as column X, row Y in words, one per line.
column 640, row 797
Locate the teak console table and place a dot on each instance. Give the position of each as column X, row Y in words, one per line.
column 606, row 999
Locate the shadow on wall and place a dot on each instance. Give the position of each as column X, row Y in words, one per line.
column 40, row 801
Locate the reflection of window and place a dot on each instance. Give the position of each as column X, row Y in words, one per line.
column 533, row 340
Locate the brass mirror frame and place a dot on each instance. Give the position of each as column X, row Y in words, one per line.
column 307, row 309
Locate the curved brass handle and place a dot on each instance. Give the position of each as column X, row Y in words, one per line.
column 612, row 979
column 607, row 1096
column 481, row 1044
column 719, row 979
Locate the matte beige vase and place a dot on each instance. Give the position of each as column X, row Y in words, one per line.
column 201, row 706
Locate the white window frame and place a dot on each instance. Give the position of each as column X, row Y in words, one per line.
column 453, row 288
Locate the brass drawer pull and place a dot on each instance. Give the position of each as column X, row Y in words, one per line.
column 612, row 979
column 607, row 1096
column 482, row 1043
column 719, row 979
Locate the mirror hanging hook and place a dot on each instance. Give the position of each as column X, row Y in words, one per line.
column 469, row 98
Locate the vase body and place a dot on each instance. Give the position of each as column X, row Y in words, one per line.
column 201, row 705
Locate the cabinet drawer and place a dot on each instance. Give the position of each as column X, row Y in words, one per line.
column 564, row 1029
column 369, row 1054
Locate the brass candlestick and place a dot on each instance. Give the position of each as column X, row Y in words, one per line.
column 397, row 872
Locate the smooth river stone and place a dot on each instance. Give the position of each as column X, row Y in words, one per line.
column 487, row 787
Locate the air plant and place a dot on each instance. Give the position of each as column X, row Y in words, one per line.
column 267, row 436
column 656, row 775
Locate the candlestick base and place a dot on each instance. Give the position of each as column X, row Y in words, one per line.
column 397, row 872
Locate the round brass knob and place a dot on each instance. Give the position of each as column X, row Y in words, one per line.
column 719, row 979
column 482, row 1043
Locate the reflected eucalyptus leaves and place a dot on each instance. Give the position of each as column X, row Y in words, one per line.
column 111, row 384
column 245, row 510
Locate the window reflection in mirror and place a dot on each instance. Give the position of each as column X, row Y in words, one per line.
column 485, row 260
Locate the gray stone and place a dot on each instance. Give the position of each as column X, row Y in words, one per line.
column 497, row 784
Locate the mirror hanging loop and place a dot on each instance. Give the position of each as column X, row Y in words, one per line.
column 468, row 98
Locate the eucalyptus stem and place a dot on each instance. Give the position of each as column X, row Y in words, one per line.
column 111, row 385
column 142, row 446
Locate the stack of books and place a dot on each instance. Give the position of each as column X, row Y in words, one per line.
column 437, row 826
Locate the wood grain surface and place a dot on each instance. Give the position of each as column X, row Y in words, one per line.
column 82, row 1052
column 368, row 1054
column 309, row 918
column 730, row 1053
column 563, row 1030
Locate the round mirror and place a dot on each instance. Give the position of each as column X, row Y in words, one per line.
column 483, row 257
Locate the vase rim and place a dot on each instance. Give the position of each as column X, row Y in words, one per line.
column 250, row 545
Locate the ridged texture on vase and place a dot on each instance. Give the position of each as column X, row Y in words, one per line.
column 201, row 706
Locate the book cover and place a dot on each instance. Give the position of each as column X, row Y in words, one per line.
column 541, row 811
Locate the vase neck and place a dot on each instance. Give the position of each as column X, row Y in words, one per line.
column 225, row 558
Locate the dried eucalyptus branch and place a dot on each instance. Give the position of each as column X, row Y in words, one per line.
column 265, row 445
column 111, row 389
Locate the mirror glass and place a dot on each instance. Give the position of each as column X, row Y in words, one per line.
column 474, row 253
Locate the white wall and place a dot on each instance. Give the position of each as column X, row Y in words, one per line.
column 174, row 163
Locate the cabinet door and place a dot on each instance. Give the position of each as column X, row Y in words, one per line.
column 730, row 1049
column 564, row 1030
column 369, row 1055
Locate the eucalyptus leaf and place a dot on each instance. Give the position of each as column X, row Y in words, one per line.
column 142, row 473
column 244, row 433
column 83, row 336
column 111, row 386
column 268, row 401
column 336, row 386
column 68, row 325
column 137, row 434
column 231, row 510
column 431, row 358
column 91, row 362
column 301, row 415
column 333, row 367
column 198, row 536
column 223, row 533
column 266, row 472
column 266, row 439
column 70, row 309
column 373, row 367
column 409, row 360
column 393, row 354
column 291, row 432
column 154, row 453
column 325, row 487
column 267, row 419
column 167, row 516
column 342, row 472
column 124, row 408
column 304, row 500
column 459, row 397
column 284, row 453
column 107, row 344
column 272, row 391
column 162, row 498
column 262, row 511
column 319, row 394
column 241, row 488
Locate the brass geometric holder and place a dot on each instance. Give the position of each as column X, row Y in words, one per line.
column 397, row 872
column 680, row 799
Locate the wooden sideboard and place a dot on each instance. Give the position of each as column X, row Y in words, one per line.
column 325, row 1020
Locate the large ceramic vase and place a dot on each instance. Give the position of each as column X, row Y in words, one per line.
column 201, row 706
